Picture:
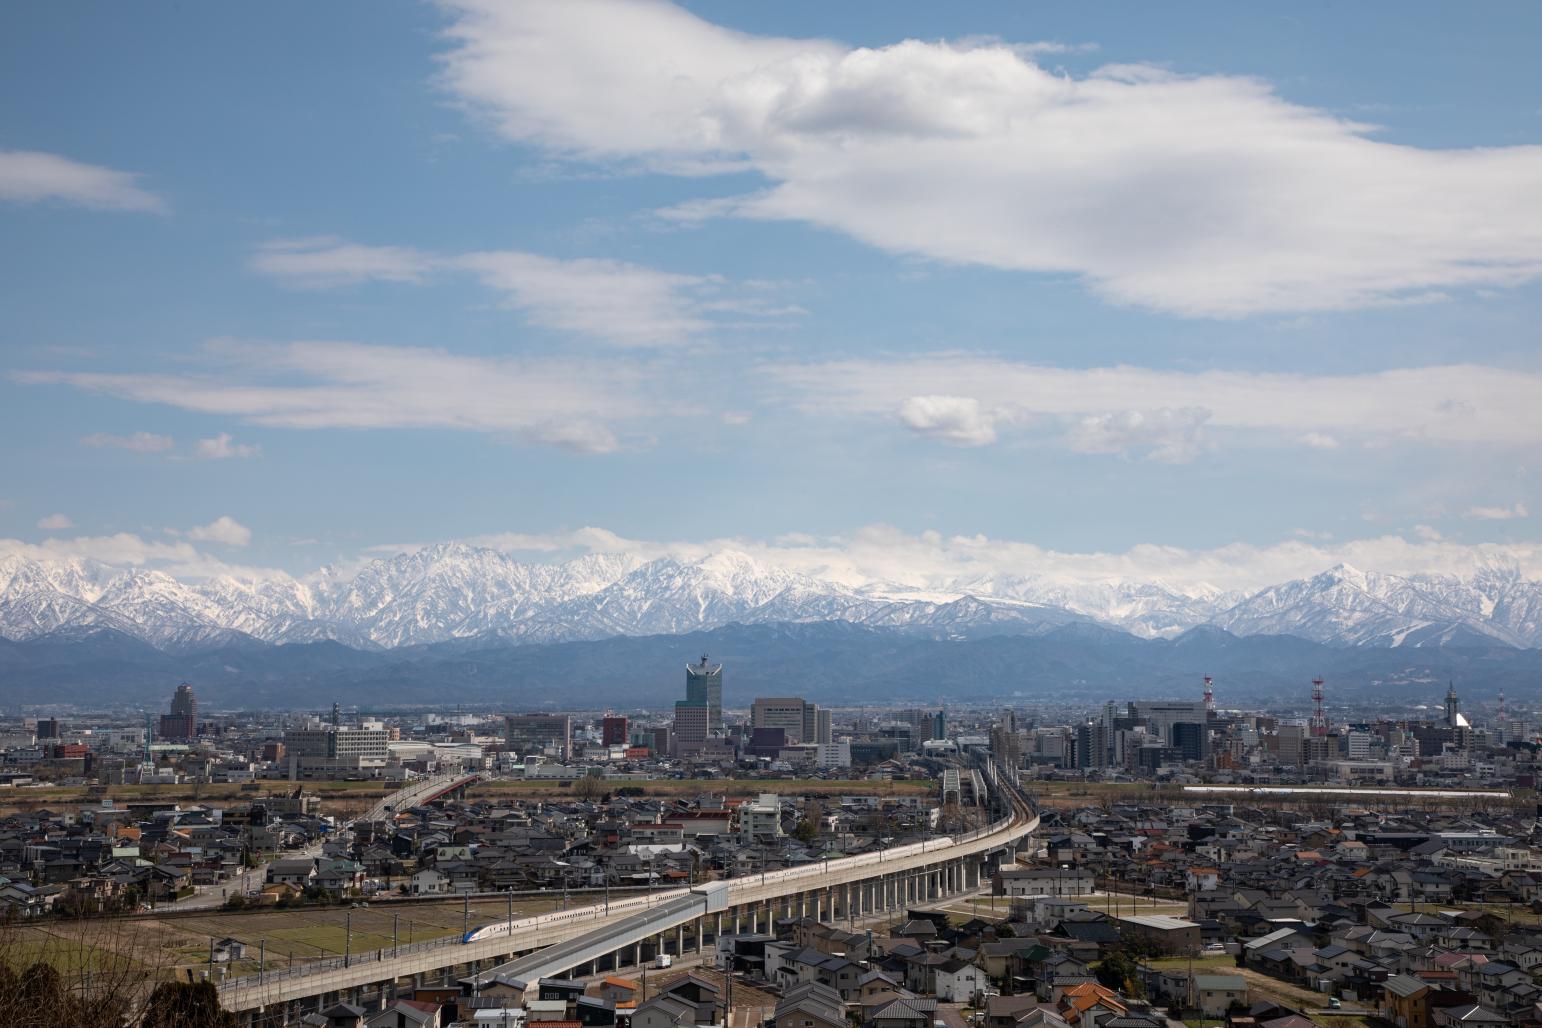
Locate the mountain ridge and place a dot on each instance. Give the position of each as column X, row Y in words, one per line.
column 456, row 591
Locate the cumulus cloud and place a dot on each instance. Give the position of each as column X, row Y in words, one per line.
column 223, row 447
column 139, row 442
column 55, row 522
column 571, row 404
column 1510, row 513
column 1102, row 409
column 1200, row 195
column 225, row 530
column 614, row 301
column 952, row 419
column 1318, row 441
column 1166, row 435
column 30, row 176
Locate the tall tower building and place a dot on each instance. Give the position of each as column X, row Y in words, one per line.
column 183, row 702
column 182, row 723
column 704, row 687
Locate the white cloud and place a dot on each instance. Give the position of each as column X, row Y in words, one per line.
column 952, row 419
column 323, row 262
column 621, row 303
column 180, row 559
column 225, row 530
column 1457, row 404
column 1428, row 533
column 1204, row 195
column 1318, row 441
column 29, row 176
column 139, row 442
column 222, row 447
column 55, row 522
column 1166, row 435
column 1519, row 510
column 568, row 403
column 885, row 555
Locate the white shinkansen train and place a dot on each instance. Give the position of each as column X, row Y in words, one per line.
column 639, row 904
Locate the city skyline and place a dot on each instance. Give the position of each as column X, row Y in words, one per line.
column 1232, row 306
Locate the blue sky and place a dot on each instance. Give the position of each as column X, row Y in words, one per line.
column 1196, row 286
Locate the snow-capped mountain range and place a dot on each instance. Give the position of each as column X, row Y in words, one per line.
column 456, row 591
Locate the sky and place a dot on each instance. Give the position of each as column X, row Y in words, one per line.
column 1202, row 291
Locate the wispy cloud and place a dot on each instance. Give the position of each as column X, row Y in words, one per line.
column 30, row 176
column 325, row 262
column 569, row 404
column 1172, row 415
column 1166, row 435
column 138, row 442
column 1518, row 510
column 1200, row 195
column 55, row 522
column 620, row 303
column 882, row 554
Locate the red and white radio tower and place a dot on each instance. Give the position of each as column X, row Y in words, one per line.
column 1319, row 719
column 1209, row 697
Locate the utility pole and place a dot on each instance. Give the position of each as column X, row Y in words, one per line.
column 394, row 919
column 347, row 937
column 262, row 959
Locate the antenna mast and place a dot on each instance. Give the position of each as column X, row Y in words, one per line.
column 1319, row 719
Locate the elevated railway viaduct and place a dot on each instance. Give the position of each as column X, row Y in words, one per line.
column 601, row 936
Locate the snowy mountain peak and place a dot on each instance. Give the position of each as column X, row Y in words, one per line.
column 458, row 590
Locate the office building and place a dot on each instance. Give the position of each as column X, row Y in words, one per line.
column 613, row 730
column 704, row 686
column 181, row 725
column 335, row 751
column 539, row 734
column 1091, row 745
column 784, row 712
column 1191, row 740
column 816, row 724
column 691, row 728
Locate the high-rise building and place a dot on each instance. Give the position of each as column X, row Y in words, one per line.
column 1091, row 744
column 49, row 728
column 691, row 728
column 816, row 724
column 613, row 730
column 182, row 723
column 1161, row 715
column 784, row 712
column 528, row 734
column 1191, row 739
column 939, row 725
column 704, row 686
column 183, row 702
